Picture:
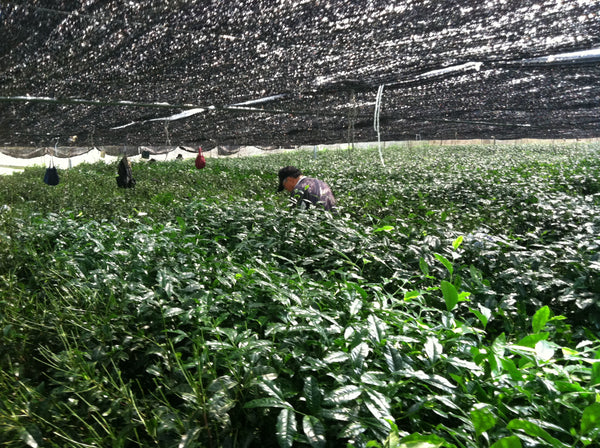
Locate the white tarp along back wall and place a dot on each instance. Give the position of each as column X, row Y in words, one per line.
column 9, row 165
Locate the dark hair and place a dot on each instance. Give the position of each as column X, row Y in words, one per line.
column 285, row 172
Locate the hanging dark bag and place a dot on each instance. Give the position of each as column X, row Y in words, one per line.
column 51, row 175
column 125, row 178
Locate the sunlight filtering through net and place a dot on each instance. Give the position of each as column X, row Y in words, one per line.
column 280, row 73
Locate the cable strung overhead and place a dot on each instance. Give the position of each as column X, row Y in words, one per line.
column 296, row 72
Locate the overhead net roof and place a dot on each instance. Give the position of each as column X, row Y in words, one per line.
column 296, row 72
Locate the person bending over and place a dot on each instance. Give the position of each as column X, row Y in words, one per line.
column 306, row 191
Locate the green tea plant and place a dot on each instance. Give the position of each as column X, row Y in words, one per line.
column 448, row 304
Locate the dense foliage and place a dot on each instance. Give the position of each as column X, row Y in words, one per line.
column 452, row 302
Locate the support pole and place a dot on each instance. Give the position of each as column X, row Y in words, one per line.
column 376, row 121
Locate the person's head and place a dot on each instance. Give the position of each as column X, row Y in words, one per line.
column 288, row 178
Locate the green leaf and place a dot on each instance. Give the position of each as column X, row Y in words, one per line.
column 271, row 388
column 286, row 428
column 393, row 359
column 28, row 439
column 595, row 378
column 535, row 430
column 393, row 439
column 423, row 266
column 223, row 382
column 532, row 339
column 154, row 370
column 476, row 275
column 339, row 414
column 189, row 438
column 374, row 379
column 482, row 418
column 450, row 295
column 508, row 442
column 446, row 263
column 355, row 307
column 344, row 394
column 411, row 295
column 496, row 354
column 358, row 289
column 483, row 314
column 544, row 350
column 437, row 381
column 464, row 364
column 433, row 348
column 540, row 318
column 509, row 366
column 359, row 353
column 379, row 405
column 590, row 420
column 352, row 430
column 312, row 394
column 422, row 441
column 376, row 328
column 457, row 242
column 269, row 402
column 384, row 229
column 170, row 312
column 336, row 357
column 314, row 431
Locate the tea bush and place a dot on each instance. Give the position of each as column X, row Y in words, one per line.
column 452, row 302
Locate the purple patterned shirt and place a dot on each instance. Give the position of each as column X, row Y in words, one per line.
column 310, row 191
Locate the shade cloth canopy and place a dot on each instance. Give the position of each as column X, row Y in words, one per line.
column 283, row 72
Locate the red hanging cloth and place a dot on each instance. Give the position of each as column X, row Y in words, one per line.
column 200, row 161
